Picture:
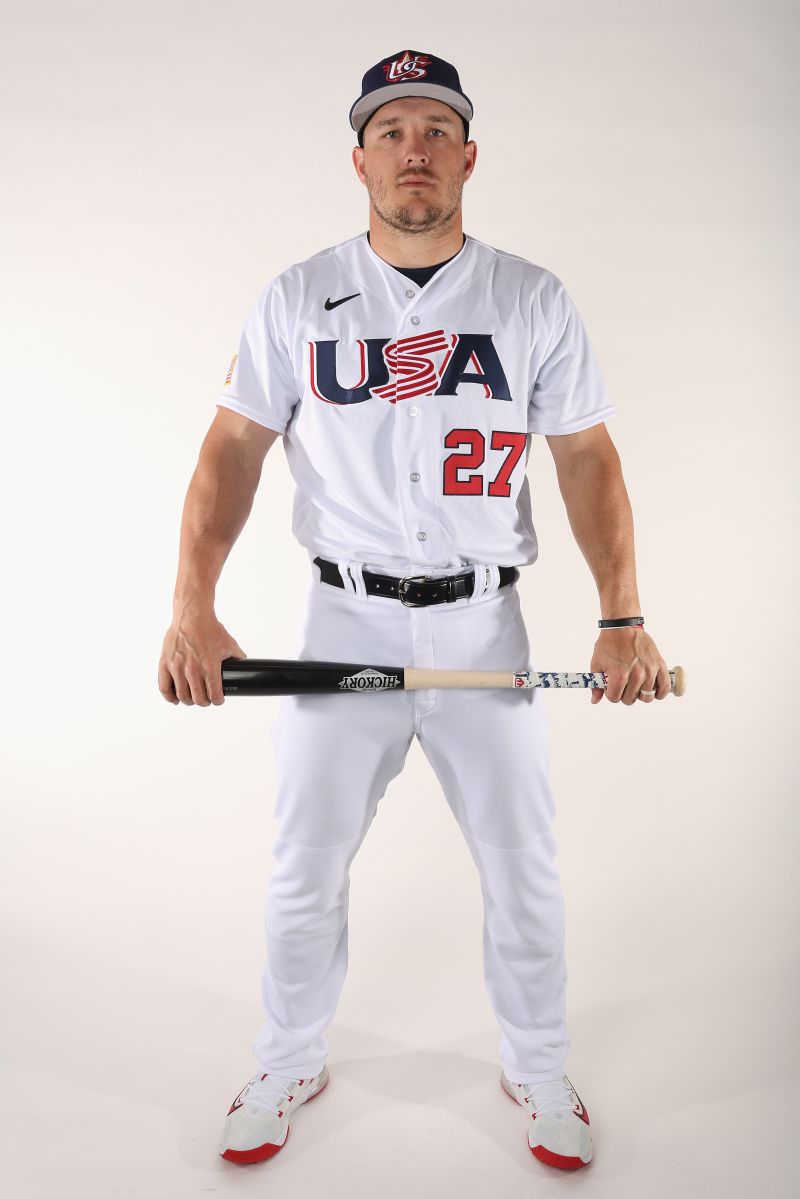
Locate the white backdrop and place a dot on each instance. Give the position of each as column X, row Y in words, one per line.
column 162, row 161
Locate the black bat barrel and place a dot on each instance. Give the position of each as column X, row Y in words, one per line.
column 293, row 676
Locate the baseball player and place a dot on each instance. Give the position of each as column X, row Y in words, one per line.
column 405, row 369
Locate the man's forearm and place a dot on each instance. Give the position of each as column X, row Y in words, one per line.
column 218, row 503
column 601, row 520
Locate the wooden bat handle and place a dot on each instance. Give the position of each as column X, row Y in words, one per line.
column 418, row 679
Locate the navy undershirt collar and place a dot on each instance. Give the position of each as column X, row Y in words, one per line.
column 421, row 274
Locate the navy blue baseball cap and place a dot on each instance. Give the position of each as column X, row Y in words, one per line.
column 409, row 73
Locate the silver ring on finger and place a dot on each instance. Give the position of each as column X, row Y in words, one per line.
column 649, row 693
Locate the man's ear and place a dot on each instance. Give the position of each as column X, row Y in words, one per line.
column 358, row 162
column 467, row 168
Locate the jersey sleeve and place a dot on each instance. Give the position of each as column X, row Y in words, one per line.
column 260, row 382
column 569, row 392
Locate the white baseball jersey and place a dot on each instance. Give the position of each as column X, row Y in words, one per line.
column 406, row 411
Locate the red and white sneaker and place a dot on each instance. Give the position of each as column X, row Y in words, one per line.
column 558, row 1133
column 257, row 1125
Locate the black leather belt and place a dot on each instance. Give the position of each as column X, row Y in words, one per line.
column 415, row 591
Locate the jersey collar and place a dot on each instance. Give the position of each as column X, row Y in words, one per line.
column 453, row 274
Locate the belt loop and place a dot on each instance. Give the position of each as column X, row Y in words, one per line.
column 352, row 577
column 481, row 579
column 343, row 565
column 492, row 580
column 357, row 573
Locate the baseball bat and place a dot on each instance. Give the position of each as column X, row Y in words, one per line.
column 293, row 676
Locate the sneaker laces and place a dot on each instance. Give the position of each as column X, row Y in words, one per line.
column 554, row 1098
column 269, row 1093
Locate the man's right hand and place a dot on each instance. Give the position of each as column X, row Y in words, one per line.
column 190, row 669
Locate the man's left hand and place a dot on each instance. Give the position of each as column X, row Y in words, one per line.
column 630, row 660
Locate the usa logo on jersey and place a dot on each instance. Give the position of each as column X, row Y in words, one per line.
column 407, row 67
column 433, row 363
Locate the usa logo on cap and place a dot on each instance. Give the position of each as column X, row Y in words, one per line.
column 408, row 67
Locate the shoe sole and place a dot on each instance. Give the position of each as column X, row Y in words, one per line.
column 539, row 1152
column 246, row 1157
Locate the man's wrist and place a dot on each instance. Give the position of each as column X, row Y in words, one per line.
column 195, row 600
column 617, row 606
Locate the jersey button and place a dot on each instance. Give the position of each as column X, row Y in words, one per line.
column 413, row 411
column 414, row 478
column 421, row 535
column 410, row 295
column 415, row 320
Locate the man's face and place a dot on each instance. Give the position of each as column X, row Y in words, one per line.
column 414, row 163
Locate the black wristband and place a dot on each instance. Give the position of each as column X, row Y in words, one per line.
column 622, row 623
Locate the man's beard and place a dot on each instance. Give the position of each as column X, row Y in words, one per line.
column 411, row 220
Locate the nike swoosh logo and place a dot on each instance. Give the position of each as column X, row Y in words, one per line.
column 329, row 303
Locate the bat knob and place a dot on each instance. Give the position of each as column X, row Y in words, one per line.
column 679, row 677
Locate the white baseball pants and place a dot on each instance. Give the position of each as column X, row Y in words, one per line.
column 335, row 756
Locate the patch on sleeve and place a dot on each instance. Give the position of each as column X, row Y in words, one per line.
column 230, row 370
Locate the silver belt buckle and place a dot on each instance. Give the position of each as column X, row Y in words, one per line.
column 401, row 589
